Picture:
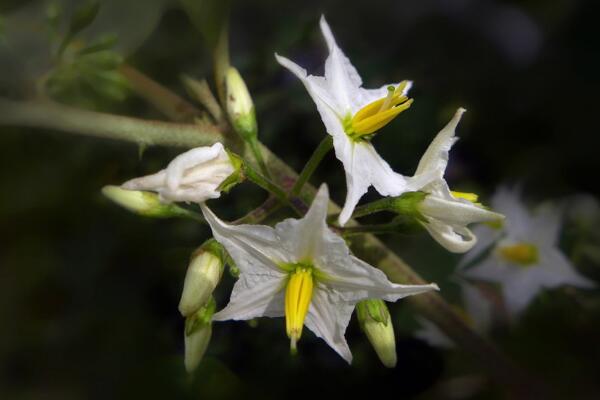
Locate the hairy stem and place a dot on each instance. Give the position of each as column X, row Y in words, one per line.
column 68, row 119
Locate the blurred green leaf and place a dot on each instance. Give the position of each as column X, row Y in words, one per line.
column 208, row 16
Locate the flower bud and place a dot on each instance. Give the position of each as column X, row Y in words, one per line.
column 375, row 322
column 239, row 105
column 197, row 175
column 146, row 204
column 198, row 330
column 202, row 277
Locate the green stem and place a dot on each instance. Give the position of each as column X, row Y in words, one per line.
column 50, row 115
column 368, row 247
column 265, row 183
column 385, row 204
column 312, row 164
column 254, row 147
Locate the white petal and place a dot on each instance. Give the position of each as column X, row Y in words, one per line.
column 545, row 224
column 255, row 296
column 191, row 158
column 430, row 333
column 342, row 77
column 435, row 159
column 456, row 211
column 518, row 219
column 255, row 249
column 454, row 238
column 318, row 89
column 521, row 289
column 364, row 167
column 303, row 238
column 328, row 317
column 491, row 269
column 486, row 236
column 356, row 280
column 152, row 182
column 560, row 271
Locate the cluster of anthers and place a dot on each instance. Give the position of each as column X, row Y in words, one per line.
column 300, row 268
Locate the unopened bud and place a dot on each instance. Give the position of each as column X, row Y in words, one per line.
column 375, row 321
column 239, row 105
column 202, row 277
column 198, row 330
column 142, row 203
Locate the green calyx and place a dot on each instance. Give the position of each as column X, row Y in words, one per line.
column 373, row 310
column 202, row 318
column 237, row 176
column 290, row 268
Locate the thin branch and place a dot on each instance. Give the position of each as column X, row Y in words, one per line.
column 50, row 115
column 171, row 105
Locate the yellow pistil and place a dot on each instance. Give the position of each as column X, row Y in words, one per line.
column 378, row 113
column 523, row 254
column 298, row 295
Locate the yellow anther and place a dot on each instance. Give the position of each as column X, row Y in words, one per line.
column 472, row 197
column 298, row 295
column 379, row 113
column 523, row 254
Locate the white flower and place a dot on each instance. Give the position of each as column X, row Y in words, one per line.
column 523, row 253
column 477, row 313
column 302, row 270
column 193, row 176
column 352, row 115
column 447, row 213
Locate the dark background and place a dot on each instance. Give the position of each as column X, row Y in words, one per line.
column 89, row 292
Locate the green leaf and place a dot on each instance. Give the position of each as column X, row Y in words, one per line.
column 83, row 17
column 208, row 16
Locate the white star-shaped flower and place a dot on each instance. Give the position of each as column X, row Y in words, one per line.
column 524, row 257
column 352, row 115
column 300, row 269
column 447, row 213
column 476, row 312
column 193, row 176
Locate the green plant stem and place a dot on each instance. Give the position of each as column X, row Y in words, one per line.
column 68, row 119
column 255, row 148
column 385, row 204
column 265, row 183
column 431, row 305
column 312, row 164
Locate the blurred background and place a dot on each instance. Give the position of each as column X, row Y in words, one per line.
column 89, row 292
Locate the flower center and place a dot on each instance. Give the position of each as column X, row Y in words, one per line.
column 472, row 197
column 377, row 114
column 298, row 295
column 522, row 254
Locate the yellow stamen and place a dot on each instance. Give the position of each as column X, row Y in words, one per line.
column 298, row 295
column 472, row 197
column 523, row 254
column 379, row 113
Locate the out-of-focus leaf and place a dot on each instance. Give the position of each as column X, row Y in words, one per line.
column 104, row 43
column 208, row 16
column 83, row 17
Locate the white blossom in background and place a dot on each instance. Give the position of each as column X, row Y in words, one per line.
column 447, row 213
column 300, row 269
column 523, row 256
column 352, row 114
column 194, row 176
column 476, row 312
